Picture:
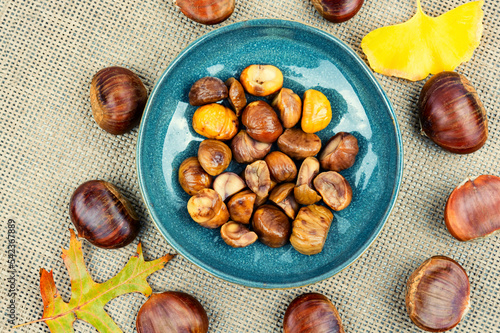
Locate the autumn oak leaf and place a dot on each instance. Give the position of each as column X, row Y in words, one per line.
column 88, row 297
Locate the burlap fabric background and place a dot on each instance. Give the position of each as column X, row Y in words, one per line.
column 49, row 144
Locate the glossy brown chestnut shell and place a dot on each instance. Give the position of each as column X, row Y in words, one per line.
column 102, row 215
column 262, row 122
column 117, row 99
column 271, row 225
column 206, row 11
column 338, row 11
column 298, row 144
column 437, row 295
column 312, row 313
column 340, row 152
column 207, row 90
column 281, row 167
column 473, row 208
column 451, row 113
column 172, row 311
column 192, row 177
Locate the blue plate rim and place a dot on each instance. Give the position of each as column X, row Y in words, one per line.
column 400, row 154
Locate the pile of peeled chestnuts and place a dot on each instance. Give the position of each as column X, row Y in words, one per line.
column 261, row 202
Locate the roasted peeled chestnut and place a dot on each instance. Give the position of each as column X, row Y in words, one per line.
column 214, row 156
column 208, row 209
column 338, row 11
column 310, row 229
column 340, row 152
column 297, row 144
column 258, row 178
column 261, row 122
column 172, row 311
column 316, row 112
column 215, row 121
column 303, row 192
column 289, row 106
column 437, row 294
column 237, row 235
column 473, row 208
column 281, row 167
column 192, row 177
column 227, row 184
column 451, row 113
column 117, row 99
column 207, row 12
column 207, row 90
column 334, row 189
column 282, row 196
column 236, row 97
column 247, row 150
column 261, row 80
column 271, row 225
column 240, row 206
column 102, row 215
column 312, row 313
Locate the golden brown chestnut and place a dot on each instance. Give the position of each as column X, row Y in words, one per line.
column 310, row 229
column 117, row 99
column 258, row 178
column 334, row 189
column 215, row 121
column 281, row 167
column 451, row 113
column 207, row 209
column 102, row 215
column 316, row 112
column 214, row 156
column 297, row 144
column 338, row 11
column 261, row 122
column 312, row 313
column 172, row 311
column 303, row 192
column 207, row 12
column 207, row 90
column 237, row 235
column 261, row 80
column 192, row 177
column 289, row 106
column 271, row 225
column 473, row 208
column 340, row 152
column 282, row 196
column 241, row 205
column 437, row 294
column 227, row 184
column 236, row 97
column 247, row 150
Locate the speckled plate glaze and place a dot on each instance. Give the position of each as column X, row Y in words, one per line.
column 308, row 58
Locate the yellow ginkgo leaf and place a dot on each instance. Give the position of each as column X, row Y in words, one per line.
column 425, row 44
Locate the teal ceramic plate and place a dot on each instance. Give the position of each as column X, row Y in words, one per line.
column 308, row 58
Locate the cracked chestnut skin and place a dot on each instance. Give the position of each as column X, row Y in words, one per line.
column 334, row 189
column 310, row 229
column 340, row 152
column 298, row 144
column 237, row 235
column 192, row 177
column 207, row 90
column 241, row 206
column 262, row 122
column 271, row 225
column 304, row 192
column 281, row 167
column 247, row 150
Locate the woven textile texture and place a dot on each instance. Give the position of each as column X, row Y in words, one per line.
column 49, row 144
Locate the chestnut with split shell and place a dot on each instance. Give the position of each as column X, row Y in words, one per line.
column 303, row 191
column 282, row 196
column 192, row 177
column 227, row 184
column 271, row 225
column 281, row 167
column 207, row 90
column 241, row 206
column 472, row 211
column 214, row 156
column 310, row 229
column 237, row 235
column 261, row 122
column 297, row 144
column 334, row 189
column 207, row 12
column 258, row 178
column 289, row 106
column 338, row 11
column 236, row 95
column 438, row 294
column 247, row 150
column 340, row 152
column 312, row 313
column 207, row 209
column 261, row 80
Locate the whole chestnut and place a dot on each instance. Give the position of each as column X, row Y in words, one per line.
column 215, row 121
column 207, row 90
column 102, row 215
column 340, row 152
column 281, row 167
column 303, row 191
column 261, row 122
column 473, row 208
column 247, row 150
column 310, row 229
column 192, row 177
column 258, row 178
column 261, row 80
column 334, row 189
column 338, row 11
column 207, row 12
column 117, row 99
column 241, row 205
column 214, row 156
column 237, row 235
column 451, row 113
column 312, row 313
column 438, row 294
column 271, row 225
column 172, row 311
column 207, row 209
column 236, row 97
column 316, row 112
column 289, row 106
column 297, row 144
